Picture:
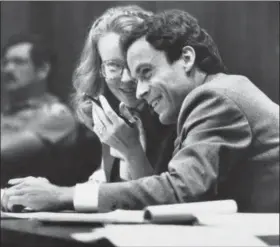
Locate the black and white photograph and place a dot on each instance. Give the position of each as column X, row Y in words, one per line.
column 139, row 123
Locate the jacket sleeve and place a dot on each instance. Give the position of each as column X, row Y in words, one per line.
column 213, row 134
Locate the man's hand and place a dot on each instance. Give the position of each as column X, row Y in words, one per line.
column 37, row 194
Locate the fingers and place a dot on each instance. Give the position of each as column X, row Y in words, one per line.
column 101, row 122
column 20, row 186
column 111, row 114
column 15, row 203
column 142, row 134
column 100, row 116
column 15, row 181
column 11, row 198
column 18, row 189
column 35, row 194
column 98, row 125
column 126, row 113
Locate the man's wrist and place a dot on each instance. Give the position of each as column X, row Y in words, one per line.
column 66, row 197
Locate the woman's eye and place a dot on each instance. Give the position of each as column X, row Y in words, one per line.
column 115, row 67
column 112, row 69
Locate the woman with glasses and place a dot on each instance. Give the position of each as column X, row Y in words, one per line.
column 132, row 131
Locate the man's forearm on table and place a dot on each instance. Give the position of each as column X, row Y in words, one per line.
column 81, row 197
column 66, row 197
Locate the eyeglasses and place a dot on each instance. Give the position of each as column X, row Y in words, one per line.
column 112, row 69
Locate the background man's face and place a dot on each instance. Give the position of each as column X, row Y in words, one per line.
column 17, row 68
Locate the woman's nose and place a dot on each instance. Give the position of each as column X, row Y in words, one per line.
column 126, row 77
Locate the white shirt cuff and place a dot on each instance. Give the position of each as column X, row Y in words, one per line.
column 86, row 197
column 2, row 193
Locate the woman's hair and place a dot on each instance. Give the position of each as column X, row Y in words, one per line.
column 86, row 77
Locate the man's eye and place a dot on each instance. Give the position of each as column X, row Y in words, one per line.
column 146, row 73
column 19, row 61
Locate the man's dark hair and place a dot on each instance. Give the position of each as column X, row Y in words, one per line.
column 40, row 52
column 170, row 31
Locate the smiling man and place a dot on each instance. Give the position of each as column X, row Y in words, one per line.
column 161, row 84
column 228, row 130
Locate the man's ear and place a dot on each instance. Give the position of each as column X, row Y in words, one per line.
column 188, row 55
column 43, row 71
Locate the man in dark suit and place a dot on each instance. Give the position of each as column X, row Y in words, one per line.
column 227, row 142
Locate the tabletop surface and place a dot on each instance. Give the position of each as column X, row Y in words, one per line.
column 31, row 233
column 34, row 233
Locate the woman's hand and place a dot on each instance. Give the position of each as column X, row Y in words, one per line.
column 125, row 142
column 113, row 130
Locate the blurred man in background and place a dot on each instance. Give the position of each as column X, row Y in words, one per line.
column 33, row 121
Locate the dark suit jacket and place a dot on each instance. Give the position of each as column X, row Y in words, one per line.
column 227, row 146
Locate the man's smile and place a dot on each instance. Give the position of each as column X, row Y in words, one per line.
column 155, row 102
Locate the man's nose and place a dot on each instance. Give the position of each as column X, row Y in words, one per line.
column 8, row 67
column 142, row 89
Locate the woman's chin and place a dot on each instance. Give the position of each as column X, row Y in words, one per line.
column 131, row 101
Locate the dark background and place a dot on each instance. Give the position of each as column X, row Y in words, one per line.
column 247, row 33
